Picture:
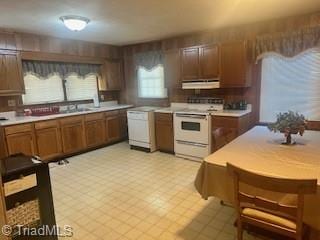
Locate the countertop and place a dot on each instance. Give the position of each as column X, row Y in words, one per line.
column 222, row 113
column 12, row 119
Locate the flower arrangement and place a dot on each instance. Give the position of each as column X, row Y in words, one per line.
column 289, row 123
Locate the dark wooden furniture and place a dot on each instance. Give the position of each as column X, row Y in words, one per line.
column 48, row 139
column 72, row 134
column 164, row 132
column 225, row 129
column 27, row 185
column 200, row 62
column 11, row 79
column 235, row 64
column 172, row 69
column 112, row 76
column 267, row 214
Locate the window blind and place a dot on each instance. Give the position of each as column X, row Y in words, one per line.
column 151, row 83
column 290, row 84
column 79, row 88
column 40, row 90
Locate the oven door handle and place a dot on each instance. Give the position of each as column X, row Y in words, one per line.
column 191, row 116
column 192, row 144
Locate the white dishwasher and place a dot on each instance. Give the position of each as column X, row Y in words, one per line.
column 141, row 127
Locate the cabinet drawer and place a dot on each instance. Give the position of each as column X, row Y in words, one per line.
column 46, row 124
column 19, row 185
column 230, row 122
column 71, row 120
column 164, row 117
column 111, row 113
column 18, row 129
column 93, row 117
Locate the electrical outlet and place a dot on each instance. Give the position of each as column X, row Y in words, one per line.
column 11, row 103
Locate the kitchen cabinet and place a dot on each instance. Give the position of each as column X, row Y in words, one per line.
column 20, row 139
column 200, row 62
column 11, row 77
column 190, row 63
column 112, row 121
column 3, row 147
column 226, row 129
column 164, row 132
column 72, row 134
column 172, row 69
column 235, row 65
column 48, row 137
column 112, row 76
column 123, row 124
column 94, row 129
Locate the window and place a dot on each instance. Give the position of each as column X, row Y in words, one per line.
column 40, row 90
column 290, row 84
column 151, row 83
column 50, row 90
column 79, row 88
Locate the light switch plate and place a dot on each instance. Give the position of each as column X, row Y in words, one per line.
column 11, row 103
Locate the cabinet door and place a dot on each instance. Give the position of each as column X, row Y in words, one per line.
column 11, row 78
column 190, row 63
column 49, row 142
column 233, row 65
column 123, row 126
column 164, row 132
column 111, row 76
column 21, row 143
column 72, row 137
column 113, row 128
column 95, row 133
column 209, row 62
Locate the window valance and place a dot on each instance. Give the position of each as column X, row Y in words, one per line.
column 45, row 69
column 288, row 44
column 148, row 60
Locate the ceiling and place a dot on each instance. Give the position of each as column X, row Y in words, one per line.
column 122, row 22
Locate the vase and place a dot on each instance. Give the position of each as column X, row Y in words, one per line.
column 289, row 141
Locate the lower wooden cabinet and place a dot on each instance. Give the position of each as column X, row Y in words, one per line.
column 123, row 124
column 95, row 130
column 164, row 132
column 113, row 128
column 48, row 137
column 72, row 134
column 226, row 129
column 20, row 139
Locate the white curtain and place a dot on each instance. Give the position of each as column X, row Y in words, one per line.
column 290, row 84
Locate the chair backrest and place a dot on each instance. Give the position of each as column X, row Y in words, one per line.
column 298, row 187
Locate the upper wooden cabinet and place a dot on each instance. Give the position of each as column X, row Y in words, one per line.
column 112, row 76
column 190, row 63
column 235, row 65
column 8, row 41
column 200, row 62
column 209, row 62
column 11, row 77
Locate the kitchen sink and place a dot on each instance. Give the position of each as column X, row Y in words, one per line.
column 76, row 110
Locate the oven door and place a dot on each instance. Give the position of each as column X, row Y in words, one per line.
column 192, row 128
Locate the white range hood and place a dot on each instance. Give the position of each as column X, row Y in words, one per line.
column 201, row 84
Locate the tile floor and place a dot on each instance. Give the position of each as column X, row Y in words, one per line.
column 118, row 193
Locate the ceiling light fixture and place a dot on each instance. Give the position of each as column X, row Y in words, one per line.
column 75, row 23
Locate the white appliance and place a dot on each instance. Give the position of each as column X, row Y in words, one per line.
column 141, row 127
column 192, row 131
column 201, row 84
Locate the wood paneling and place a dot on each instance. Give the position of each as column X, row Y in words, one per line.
column 172, row 69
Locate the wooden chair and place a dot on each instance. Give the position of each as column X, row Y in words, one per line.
column 266, row 214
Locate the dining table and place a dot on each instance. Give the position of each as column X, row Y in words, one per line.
column 261, row 151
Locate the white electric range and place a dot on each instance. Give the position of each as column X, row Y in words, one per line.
column 192, row 130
